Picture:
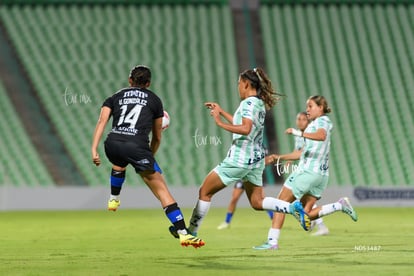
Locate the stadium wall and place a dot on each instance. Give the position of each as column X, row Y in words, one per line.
column 84, row 198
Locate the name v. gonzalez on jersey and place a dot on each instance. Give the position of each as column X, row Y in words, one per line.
column 134, row 110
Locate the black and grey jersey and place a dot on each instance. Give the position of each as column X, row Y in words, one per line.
column 133, row 112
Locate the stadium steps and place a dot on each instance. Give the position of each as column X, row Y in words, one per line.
column 89, row 50
column 360, row 58
column 20, row 163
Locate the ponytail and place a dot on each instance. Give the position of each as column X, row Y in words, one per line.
column 265, row 91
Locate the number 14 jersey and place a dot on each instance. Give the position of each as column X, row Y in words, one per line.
column 133, row 111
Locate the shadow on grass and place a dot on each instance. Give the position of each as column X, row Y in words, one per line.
column 268, row 261
column 236, row 262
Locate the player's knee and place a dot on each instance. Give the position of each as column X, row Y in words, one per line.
column 205, row 194
column 205, row 197
column 118, row 174
column 256, row 204
column 307, row 208
column 117, row 178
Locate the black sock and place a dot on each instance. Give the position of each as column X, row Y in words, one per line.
column 117, row 179
column 115, row 190
column 174, row 214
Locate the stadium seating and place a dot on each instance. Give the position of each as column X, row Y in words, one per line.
column 77, row 55
column 360, row 57
column 20, row 163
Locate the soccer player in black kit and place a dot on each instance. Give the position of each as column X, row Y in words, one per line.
column 137, row 111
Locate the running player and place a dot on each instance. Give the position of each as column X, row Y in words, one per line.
column 302, row 122
column 311, row 177
column 245, row 159
column 136, row 111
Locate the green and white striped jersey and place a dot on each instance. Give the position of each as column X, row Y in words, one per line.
column 315, row 154
column 247, row 151
column 299, row 143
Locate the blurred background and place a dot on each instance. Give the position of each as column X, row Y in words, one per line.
column 59, row 60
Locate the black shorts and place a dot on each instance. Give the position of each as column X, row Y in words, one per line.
column 122, row 153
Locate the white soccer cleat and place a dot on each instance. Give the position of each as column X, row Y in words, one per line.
column 223, row 225
column 322, row 231
column 347, row 208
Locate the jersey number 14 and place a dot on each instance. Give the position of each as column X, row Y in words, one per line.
column 132, row 117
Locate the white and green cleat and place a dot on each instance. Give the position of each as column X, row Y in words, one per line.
column 266, row 246
column 347, row 208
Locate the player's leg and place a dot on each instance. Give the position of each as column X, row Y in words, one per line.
column 236, row 194
column 155, row 181
column 342, row 204
column 211, row 185
column 253, row 185
column 255, row 193
column 321, row 228
column 113, row 151
column 309, row 203
column 117, row 179
column 259, row 202
column 277, row 223
column 270, row 214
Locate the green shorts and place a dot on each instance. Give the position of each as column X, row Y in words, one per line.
column 230, row 174
column 306, row 182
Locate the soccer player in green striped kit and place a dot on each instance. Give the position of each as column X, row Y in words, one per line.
column 245, row 159
column 310, row 179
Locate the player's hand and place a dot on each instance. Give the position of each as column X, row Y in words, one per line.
column 215, row 114
column 213, row 106
column 289, row 130
column 210, row 105
column 271, row 159
column 295, row 132
column 95, row 158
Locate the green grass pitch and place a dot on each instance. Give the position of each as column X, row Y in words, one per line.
column 137, row 242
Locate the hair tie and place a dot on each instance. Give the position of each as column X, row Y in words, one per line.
column 259, row 89
column 258, row 75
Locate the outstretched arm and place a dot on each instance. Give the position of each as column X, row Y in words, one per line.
column 242, row 129
column 217, row 107
column 99, row 129
column 273, row 158
column 216, row 111
column 319, row 135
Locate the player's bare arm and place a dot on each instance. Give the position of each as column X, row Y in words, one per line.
column 318, row 135
column 243, row 129
column 217, row 107
column 99, row 129
column 156, row 135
